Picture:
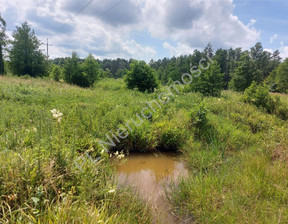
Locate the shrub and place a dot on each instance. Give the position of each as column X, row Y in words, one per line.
column 259, row 96
column 56, row 72
column 199, row 121
column 198, row 116
column 167, row 136
column 281, row 109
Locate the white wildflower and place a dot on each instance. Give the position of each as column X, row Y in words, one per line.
column 57, row 115
column 120, row 156
column 116, row 153
column 112, row 191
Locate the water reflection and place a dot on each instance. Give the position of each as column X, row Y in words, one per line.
column 149, row 174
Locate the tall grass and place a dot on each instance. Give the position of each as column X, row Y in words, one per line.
column 236, row 154
column 241, row 175
column 39, row 181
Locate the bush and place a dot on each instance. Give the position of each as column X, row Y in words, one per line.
column 56, row 73
column 281, row 109
column 167, row 136
column 259, row 96
column 141, row 76
column 198, row 116
column 202, row 127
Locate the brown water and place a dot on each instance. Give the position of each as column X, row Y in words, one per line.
column 150, row 174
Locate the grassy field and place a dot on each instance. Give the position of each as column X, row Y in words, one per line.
column 236, row 153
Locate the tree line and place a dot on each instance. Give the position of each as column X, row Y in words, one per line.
column 234, row 69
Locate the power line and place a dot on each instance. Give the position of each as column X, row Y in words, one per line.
column 80, row 10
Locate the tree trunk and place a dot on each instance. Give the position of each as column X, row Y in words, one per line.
column 1, row 61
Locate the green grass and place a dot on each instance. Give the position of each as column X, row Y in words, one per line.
column 237, row 163
column 39, row 181
column 236, row 178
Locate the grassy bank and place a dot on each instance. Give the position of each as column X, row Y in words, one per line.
column 240, row 176
column 236, row 153
column 39, row 180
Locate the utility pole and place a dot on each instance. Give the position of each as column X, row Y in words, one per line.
column 47, row 45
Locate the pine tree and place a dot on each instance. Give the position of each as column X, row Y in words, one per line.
column 210, row 82
column 244, row 74
column 25, row 55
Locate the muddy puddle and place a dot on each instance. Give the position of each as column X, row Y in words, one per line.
column 149, row 175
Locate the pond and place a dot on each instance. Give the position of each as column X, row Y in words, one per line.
column 149, row 175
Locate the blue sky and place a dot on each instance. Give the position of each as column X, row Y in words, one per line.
column 149, row 29
column 271, row 20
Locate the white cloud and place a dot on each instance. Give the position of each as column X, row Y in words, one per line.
column 104, row 27
column 283, row 51
column 213, row 21
column 270, row 50
column 252, row 22
column 273, row 38
column 180, row 49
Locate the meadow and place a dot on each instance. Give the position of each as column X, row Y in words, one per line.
column 236, row 154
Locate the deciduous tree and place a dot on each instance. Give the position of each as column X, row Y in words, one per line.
column 141, row 76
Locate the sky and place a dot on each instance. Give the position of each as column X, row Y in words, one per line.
column 150, row 29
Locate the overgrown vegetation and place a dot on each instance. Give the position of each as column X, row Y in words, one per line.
column 54, row 169
column 39, row 179
column 260, row 97
column 236, row 154
column 237, row 176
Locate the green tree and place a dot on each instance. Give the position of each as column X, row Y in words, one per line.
column 3, row 39
column 208, row 50
column 25, row 55
column 56, row 72
column 90, row 70
column 84, row 74
column 281, row 77
column 210, row 82
column 221, row 57
column 141, row 76
column 264, row 60
column 245, row 73
column 120, row 73
column 234, row 55
column 72, row 74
